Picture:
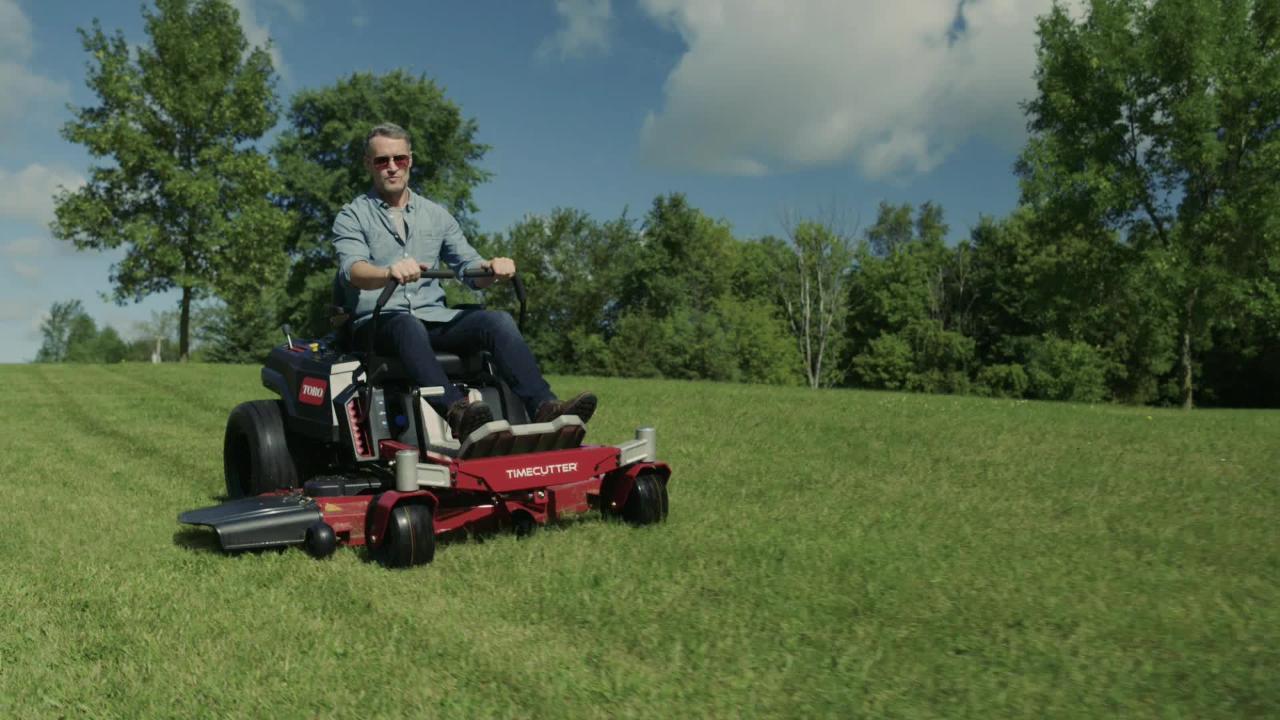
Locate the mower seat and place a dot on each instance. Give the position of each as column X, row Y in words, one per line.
column 455, row 366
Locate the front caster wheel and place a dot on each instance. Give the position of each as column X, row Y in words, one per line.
column 647, row 503
column 410, row 538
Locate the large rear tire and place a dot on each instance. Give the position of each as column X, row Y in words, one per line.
column 255, row 451
column 410, row 537
column 647, row 503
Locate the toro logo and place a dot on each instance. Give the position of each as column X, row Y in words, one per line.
column 312, row 391
column 539, row 470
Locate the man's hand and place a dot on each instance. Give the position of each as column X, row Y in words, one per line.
column 502, row 267
column 406, row 270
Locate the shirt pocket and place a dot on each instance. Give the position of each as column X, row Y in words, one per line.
column 426, row 248
column 384, row 249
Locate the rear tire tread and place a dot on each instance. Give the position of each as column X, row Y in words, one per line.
column 256, row 457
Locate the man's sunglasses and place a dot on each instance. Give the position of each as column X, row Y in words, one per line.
column 382, row 161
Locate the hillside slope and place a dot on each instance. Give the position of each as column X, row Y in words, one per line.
column 828, row 554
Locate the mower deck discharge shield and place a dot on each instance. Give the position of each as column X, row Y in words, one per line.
column 258, row 522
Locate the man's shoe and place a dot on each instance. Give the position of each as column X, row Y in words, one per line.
column 466, row 417
column 583, row 405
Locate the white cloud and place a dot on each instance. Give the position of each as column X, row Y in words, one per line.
column 766, row 86
column 26, row 247
column 361, row 17
column 25, row 270
column 12, row 310
column 23, row 255
column 295, row 9
column 20, row 86
column 28, row 193
column 585, row 31
column 259, row 34
column 15, row 30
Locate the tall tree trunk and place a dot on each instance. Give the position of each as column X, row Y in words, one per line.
column 184, row 326
column 1188, row 400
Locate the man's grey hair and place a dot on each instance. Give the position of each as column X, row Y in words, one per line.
column 387, row 130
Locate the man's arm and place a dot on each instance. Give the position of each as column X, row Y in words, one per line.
column 367, row 276
column 462, row 257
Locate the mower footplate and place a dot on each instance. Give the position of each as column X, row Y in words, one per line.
column 497, row 438
column 258, row 522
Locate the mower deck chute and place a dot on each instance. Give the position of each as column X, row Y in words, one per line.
column 263, row 521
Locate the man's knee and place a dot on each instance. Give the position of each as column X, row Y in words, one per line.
column 406, row 334
column 500, row 323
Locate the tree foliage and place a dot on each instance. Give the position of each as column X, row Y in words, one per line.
column 69, row 334
column 567, row 261
column 181, row 190
column 675, row 295
column 813, row 288
column 910, row 299
column 1160, row 121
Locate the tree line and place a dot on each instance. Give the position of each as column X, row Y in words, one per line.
column 1140, row 266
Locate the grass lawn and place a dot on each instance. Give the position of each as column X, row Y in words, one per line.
column 828, row 554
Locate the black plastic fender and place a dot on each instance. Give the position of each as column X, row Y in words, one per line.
column 275, row 382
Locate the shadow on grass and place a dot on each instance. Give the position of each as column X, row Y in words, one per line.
column 205, row 540
column 521, row 530
column 197, row 539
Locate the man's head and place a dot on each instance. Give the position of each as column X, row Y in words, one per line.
column 388, row 156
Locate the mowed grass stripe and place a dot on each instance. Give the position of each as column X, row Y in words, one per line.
column 828, row 554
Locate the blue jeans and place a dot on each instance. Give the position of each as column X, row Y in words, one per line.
column 403, row 336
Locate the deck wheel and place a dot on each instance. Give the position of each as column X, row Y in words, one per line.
column 320, row 540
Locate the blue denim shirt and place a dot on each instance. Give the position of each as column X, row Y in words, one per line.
column 365, row 231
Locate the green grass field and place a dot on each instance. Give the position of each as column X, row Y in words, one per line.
column 828, row 554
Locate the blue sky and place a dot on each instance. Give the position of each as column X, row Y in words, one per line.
column 753, row 108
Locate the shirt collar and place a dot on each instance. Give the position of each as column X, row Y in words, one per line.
column 377, row 199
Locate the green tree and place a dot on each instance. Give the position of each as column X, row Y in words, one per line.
column 159, row 333
column 56, row 330
column 814, row 293
column 1081, row 285
column 240, row 332
column 910, row 304
column 183, row 191
column 681, row 259
column 71, row 335
column 320, row 156
column 89, row 344
column 567, row 262
column 1157, row 119
column 687, row 299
